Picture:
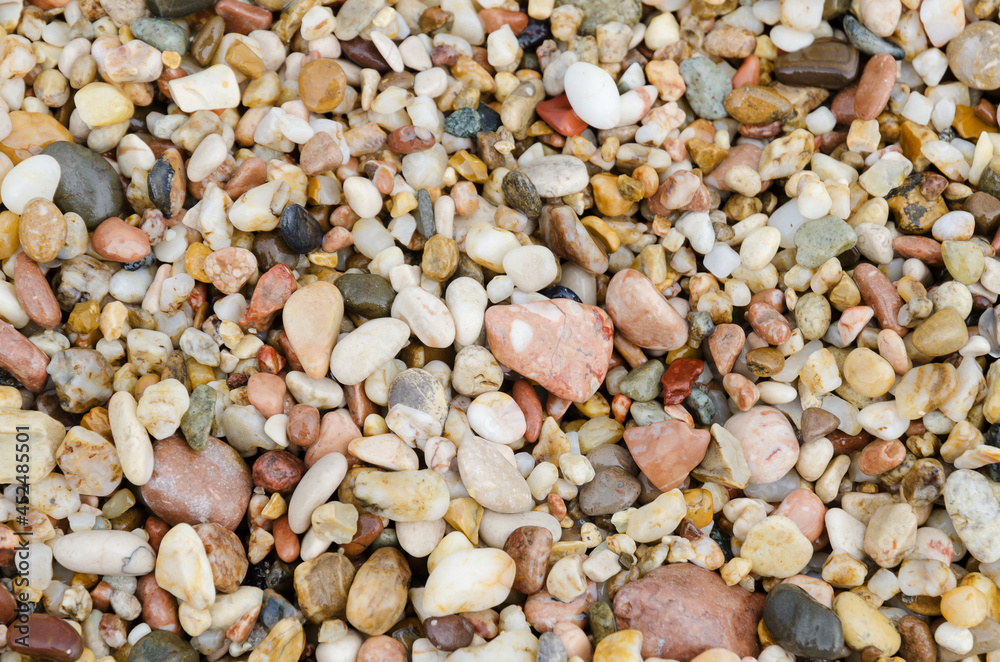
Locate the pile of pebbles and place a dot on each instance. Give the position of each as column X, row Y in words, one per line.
column 499, row 330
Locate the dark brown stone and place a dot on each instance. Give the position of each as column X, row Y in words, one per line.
column 917, row 643
column 683, row 610
column 530, row 547
column 45, row 636
column 985, row 209
column 449, row 633
column 827, row 63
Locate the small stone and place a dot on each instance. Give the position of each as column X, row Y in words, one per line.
column 463, row 123
column 868, row 42
column 530, row 548
column 642, row 314
column 520, row 194
column 707, row 87
column 491, row 479
column 864, row 625
column 826, row 63
column 322, row 585
column 818, row 240
column 753, row 104
column 800, row 624
column 88, row 186
column 323, row 84
column 667, row 451
column 776, row 547
column 973, row 55
column 973, row 507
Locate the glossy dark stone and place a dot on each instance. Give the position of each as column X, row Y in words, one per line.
column 534, row 34
column 159, row 181
column 800, row 624
column 827, row 63
column 301, row 232
column 868, row 42
column 45, row 636
column 270, row 249
column 159, row 646
column 368, row 295
column 992, row 437
column 88, row 185
column 449, row 633
column 363, row 53
column 177, row 8
column 559, row 292
column 489, row 119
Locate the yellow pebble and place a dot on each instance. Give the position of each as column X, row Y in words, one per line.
column 964, row 606
column 101, row 104
column 194, row 261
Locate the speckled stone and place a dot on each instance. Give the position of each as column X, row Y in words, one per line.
column 599, row 12
column 162, row 645
column 520, row 194
column 464, row 123
column 707, row 87
column 643, row 383
column 197, row 420
column 818, row 240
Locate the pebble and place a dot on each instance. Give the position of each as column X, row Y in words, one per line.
column 682, row 609
column 377, row 597
column 971, row 504
column 707, row 86
column 556, row 176
column 491, row 479
column 593, row 95
column 971, row 53
column 212, row 485
column 768, row 442
column 800, row 624
column 312, row 317
column 183, row 569
column 776, row 548
column 468, row 580
column 667, row 451
column 47, row 636
column 641, row 313
column 865, row 626
column 527, row 337
column 104, row 552
column 88, row 185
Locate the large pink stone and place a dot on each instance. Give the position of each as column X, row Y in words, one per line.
column 563, row 345
column 642, row 315
column 768, row 441
column 667, row 451
column 683, row 610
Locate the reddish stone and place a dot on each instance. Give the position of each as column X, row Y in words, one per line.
column 881, row 455
column 748, row 155
column 679, row 378
column 667, row 451
column 683, row 610
column 725, row 345
column 773, row 297
column 303, row 425
column 270, row 360
column 159, row 607
column 45, row 636
column 557, row 113
column 116, row 240
column 266, row 393
column 563, row 345
column 878, row 292
column 409, row 139
column 768, row 323
column 748, row 73
column 100, row 595
column 530, row 547
column 875, row 86
column 543, row 612
column 211, row 485
column 369, row 528
column 843, row 105
column 760, row 131
column 381, row 648
column 290, row 355
column 35, row 294
column 923, row 248
column 358, row 403
column 847, row 444
column 531, row 406
column 286, row 543
column 8, row 606
column 620, row 405
column 277, row 471
column 252, row 172
column 226, row 556
column 336, row 431
column 24, row 361
column 803, row 507
column 495, row 18
column 155, row 528
column 242, row 17
column 642, row 314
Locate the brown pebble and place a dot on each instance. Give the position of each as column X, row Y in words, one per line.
column 159, row 608
column 875, row 86
column 277, row 471
column 303, row 425
column 409, row 139
column 878, row 292
column 35, row 294
column 530, row 547
column 449, row 633
column 320, row 154
column 252, row 172
column 22, row 358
